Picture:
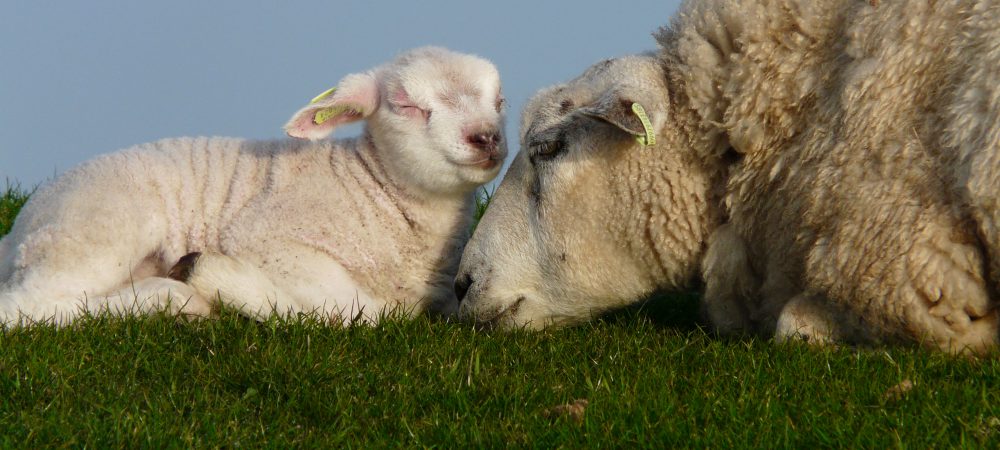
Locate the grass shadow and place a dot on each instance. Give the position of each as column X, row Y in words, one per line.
column 663, row 309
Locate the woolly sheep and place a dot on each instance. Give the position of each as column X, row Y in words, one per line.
column 348, row 229
column 829, row 166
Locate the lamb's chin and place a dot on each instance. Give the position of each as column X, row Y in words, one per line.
column 481, row 174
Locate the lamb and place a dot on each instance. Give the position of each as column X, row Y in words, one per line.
column 829, row 167
column 346, row 229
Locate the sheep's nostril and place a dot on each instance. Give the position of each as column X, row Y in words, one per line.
column 486, row 141
column 462, row 284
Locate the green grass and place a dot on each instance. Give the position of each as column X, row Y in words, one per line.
column 12, row 198
column 483, row 198
column 650, row 375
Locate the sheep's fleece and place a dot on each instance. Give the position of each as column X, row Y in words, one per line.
column 831, row 167
column 348, row 229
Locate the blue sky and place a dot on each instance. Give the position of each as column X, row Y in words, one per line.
column 81, row 78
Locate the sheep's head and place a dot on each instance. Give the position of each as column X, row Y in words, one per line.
column 436, row 116
column 601, row 206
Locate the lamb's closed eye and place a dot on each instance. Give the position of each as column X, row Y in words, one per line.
column 405, row 106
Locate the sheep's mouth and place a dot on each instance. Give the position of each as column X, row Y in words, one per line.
column 494, row 321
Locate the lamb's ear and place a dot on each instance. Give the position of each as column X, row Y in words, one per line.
column 355, row 97
column 625, row 113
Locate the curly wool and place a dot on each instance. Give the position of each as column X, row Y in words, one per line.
column 865, row 198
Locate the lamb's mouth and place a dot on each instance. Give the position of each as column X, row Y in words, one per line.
column 509, row 311
column 485, row 163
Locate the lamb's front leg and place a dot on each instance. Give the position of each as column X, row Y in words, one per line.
column 305, row 285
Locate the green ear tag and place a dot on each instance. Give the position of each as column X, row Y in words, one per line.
column 325, row 94
column 323, row 115
column 328, row 113
column 650, row 137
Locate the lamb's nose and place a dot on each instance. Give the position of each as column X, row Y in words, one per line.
column 462, row 284
column 487, row 141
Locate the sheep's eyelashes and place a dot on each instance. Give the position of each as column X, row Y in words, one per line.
column 548, row 150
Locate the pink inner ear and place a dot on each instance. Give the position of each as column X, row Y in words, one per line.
column 304, row 124
column 356, row 97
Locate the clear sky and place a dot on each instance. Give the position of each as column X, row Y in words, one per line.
column 81, row 78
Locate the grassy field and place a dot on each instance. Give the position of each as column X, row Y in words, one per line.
column 647, row 376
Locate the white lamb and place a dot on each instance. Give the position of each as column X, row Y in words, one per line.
column 347, row 229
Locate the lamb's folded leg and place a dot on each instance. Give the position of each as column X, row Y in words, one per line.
column 61, row 281
column 155, row 294
column 320, row 286
column 144, row 296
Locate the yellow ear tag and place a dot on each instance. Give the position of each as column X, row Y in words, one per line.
column 650, row 137
column 325, row 94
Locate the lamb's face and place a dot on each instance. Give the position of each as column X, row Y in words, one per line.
column 435, row 116
column 441, row 118
column 561, row 240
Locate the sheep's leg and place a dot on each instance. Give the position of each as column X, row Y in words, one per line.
column 320, row 286
column 941, row 293
column 923, row 279
column 808, row 318
column 982, row 189
column 729, row 283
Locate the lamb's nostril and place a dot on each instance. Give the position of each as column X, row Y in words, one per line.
column 485, row 141
column 462, row 284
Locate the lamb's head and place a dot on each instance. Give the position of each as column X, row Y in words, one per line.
column 605, row 203
column 436, row 117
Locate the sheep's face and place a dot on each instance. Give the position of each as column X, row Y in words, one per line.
column 565, row 236
column 441, row 119
column 436, row 117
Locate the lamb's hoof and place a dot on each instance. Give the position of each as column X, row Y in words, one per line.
column 184, row 267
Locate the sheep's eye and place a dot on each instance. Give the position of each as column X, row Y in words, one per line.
column 547, row 150
column 500, row 102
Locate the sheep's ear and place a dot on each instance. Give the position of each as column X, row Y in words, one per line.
column 626, row 114
column 355, row 97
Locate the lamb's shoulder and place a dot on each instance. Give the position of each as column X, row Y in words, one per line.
column 321, row 199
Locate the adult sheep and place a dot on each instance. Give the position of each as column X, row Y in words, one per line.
column 829, row 166
column 347, row 229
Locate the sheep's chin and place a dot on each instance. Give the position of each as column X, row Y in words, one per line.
column 514, row 312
